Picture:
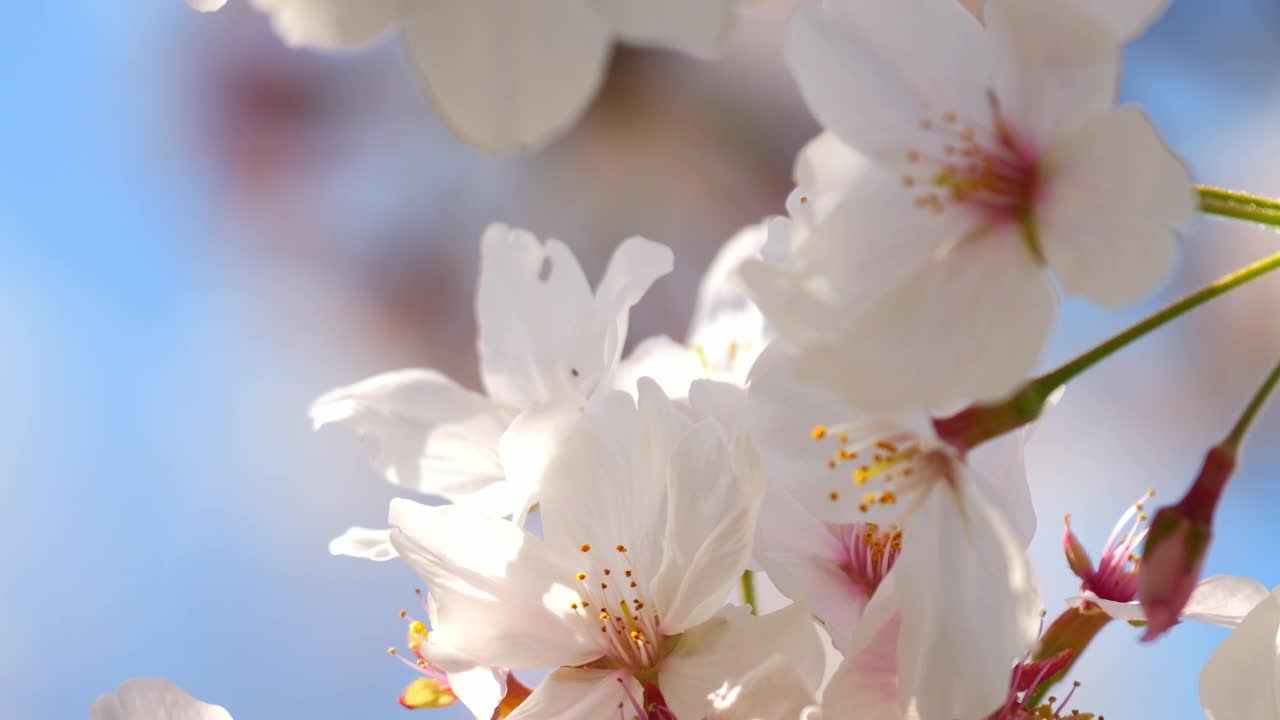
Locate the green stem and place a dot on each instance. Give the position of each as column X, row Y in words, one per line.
column 748, row 581
column 980, row 423
column 1259, row 399
column 1239, row 206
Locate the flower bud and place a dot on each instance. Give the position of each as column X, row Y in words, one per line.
column 1177, row 543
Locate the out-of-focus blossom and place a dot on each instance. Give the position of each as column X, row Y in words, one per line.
column 995, row 166
column 727, row 332
column 153, row 699
column 1127, row 19
column 206, row 5
column 1220, row 600
column 624, row 595
column 507, row 76
column 544, row 337
column 1242, row 679
column 959, row 604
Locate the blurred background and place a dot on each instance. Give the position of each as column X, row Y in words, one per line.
column 201, row 231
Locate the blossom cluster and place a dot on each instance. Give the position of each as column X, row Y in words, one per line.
column 826, row 425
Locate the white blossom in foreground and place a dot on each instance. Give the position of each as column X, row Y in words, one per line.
column 912, row 558
column 774, row 690
column 727, row 331
column 206, row 6
column 1242, row 679
column 544, row 337
column 507, row 75
column 648, row 523
column 153, row 699
column 995, row 167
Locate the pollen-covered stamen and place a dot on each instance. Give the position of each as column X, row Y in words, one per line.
column 872, row 552
column 432, row 690
column 1027, row 677
column 613, row 600
column 1116, row 575
column 963, row 162
column 882, row 462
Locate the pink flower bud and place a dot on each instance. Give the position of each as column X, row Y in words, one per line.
column 1177, row 543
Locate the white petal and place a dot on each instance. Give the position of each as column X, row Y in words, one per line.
column 364, row 543
column 153, row 699
column 699, row 28
column 1126, row 19
column 330, row 24
column 543, row 334
column 730, row 645
column 576, row 694
column 1242, row 679
column 1224, row 600
column 1116, row 192
column 871, row 240
column 969, row 605
column 1054, row 65
column 727, row 331
column 607, row 484
column 713, row 500
column 969, row 326
column 503, row 598
column 509, row 76
column 480, row 689
column 432, row 435
column 632, row 269
column 775, row 690
column 826, row 165
column 206, row 5
column 672, row 365
column 1127, row 612
column 865, row 67
column 1000, row 468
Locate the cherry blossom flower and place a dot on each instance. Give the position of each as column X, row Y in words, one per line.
column 543, row 337
column 1115, row 578
column 994, row 166
column 1242, row 679
column 727, row 332
column 507, row 76
column 775, row 689
column 912, row 557
column 647, row 524
column 153, row 699
column 1221, row 600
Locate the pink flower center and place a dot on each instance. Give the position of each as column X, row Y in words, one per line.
column 1116, row 576
column 872, row 552
column 961, row 162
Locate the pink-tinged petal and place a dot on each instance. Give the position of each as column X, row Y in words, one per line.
column 577, row 694
column 970, row 606
column 865, row 68
column 1115, row 194
column 714, row 491
column 153, row 699
column 330, row 24
column 775, row 690
column 970, row 326
column 674, row 366
column 1055, row 65
column 509, row 76
column 699, row 28
column 432, row 435
column 1000, row 469
column 730, row 645
column 1242, row 679
column 364, row 543
column 206, row 6
column 1126, row 19
column 805, row 562
column 1224, row 600
column 868, row 679
column 503, row 599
